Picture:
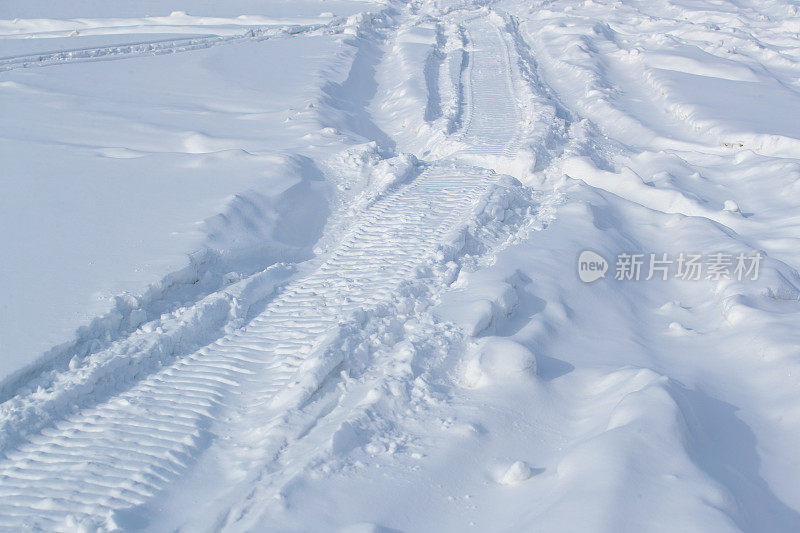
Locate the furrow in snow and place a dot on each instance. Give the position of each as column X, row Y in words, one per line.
column 168, row 46
column 491, row 124
column 266, row 357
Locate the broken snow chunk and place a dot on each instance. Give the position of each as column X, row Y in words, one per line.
column 475, row 310
column 346, row 439
column 731, row 206
column 497, row 359
column 516, row 473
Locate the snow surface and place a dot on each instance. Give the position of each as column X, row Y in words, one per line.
column 147, row 170
column 312, row 266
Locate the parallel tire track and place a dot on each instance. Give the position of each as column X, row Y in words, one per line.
column 120, row 453
column 492, row 122
column 164, row 46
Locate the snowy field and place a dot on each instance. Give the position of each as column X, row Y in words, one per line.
column 434, row 265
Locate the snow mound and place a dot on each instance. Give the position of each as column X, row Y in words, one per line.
column 516, row 473
column 496, row 359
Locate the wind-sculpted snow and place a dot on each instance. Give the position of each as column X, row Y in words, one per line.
column 426, row 357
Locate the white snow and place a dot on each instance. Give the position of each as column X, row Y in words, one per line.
column 153, row 172
column 498, row 359
column 516, row 473
column 315, row 266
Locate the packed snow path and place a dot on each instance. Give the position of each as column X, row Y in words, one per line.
column 492, row 120
column 120, row 453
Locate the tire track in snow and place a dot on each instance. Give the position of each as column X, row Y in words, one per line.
column 163, row 46
column 122, row 452
column 491, row 124
column 270, row 456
